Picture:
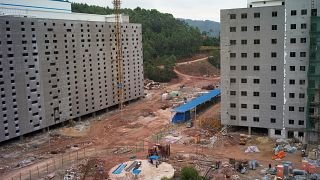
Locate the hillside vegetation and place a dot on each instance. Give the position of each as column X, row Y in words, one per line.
column 165, row 38
column 212, row 28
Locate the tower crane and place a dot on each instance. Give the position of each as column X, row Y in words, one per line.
column 119, row 58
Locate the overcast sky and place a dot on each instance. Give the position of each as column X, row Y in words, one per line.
column 191, row 9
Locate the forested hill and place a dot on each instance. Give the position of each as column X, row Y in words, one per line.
column 212, row 28
column 165, row 38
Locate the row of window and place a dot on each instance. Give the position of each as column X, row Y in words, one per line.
column 255, row 15
column 272, row 94
column 257, row 68
column 71, row 24
column 272, row 120
column 273, row 41
column 273, row 27
column 257, row 106
column 303, row 12
column 272, row 54
column 273, row 81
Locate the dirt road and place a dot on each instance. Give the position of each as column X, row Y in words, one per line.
column 194, row 61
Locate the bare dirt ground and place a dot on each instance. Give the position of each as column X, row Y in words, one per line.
column 200, row 67
column 138, row 122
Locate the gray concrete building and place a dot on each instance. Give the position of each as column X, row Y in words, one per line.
column 265, row 61
column 53, row 70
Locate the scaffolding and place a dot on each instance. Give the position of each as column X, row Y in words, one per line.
column 313, row 113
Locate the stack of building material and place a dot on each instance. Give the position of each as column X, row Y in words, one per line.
column 243, row 139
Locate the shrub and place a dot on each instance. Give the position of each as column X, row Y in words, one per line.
column 189, row 173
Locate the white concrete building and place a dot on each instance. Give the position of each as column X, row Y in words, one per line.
column 56, row 65
column 265, row 62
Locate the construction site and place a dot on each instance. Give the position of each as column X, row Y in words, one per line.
column 172, row 126
column 120, row 145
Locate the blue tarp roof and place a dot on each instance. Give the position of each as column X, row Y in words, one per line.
column 154, row 157
column 197, row 101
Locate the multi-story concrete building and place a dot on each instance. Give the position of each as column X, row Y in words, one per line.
column 265, row 50
column 56, row 65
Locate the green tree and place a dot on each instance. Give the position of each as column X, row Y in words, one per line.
column 189, row 173
column 214, row 58
column 165, row 178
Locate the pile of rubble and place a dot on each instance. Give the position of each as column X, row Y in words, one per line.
column 122, row 150
column 87, row 168
column 210, row 87
column 151, row 85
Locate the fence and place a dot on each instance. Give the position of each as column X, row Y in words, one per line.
column 60, row 162
column 169, row 129
column 53, row 164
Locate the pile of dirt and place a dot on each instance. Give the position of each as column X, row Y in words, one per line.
column 94, row 168
column 134, row 126
column 201, row 68
column 263, row 140
column 227, row 141
column 191, row 132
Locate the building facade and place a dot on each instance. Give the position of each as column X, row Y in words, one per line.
column 53, row 70
column 265, row 52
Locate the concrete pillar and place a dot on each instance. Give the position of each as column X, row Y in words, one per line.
column 21, row 138
column 284, row 133
column 306, row 137
column 249, row 130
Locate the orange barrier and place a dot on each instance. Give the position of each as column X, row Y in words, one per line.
column 280, row 171
column 280, row 155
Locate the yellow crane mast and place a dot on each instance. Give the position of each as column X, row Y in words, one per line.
column 119, row 58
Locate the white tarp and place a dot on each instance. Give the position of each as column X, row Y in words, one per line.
column 252, row 149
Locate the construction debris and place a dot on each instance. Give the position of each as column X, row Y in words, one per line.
column 51, row 175
column 26, row 162
column 160, row 150
column 252, row 149
column 210, row 87
column 243, row 139
column 122, row 150
column 151, row 85
column 313, row 155
column 172, row 139
column 279, row 155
